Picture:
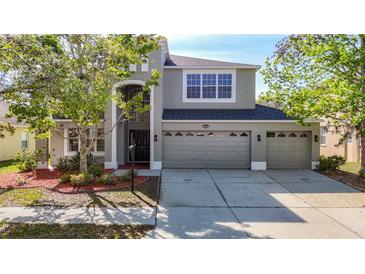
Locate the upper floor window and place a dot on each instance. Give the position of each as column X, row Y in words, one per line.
column 206, row 86
column 193, row 85
column 224, row 85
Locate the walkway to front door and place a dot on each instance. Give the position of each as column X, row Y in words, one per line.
column 251, row 204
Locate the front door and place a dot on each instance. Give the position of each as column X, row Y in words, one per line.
column 142, row 140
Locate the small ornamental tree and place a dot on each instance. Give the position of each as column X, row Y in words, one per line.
column 70, row 76
column 320, row 76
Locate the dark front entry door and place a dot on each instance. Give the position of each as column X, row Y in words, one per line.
column 142, row 140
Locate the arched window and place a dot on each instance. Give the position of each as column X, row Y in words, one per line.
column 210, row 134
column 232, row 134
column 244, row 134
column 168, row 134
column 178, row 134
column 303, row 135
column 292, row 135
column 281, row 134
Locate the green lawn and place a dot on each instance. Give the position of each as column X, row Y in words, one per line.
column 8, row 166
column 20, row 197
column 351, row 168
column 71, row 231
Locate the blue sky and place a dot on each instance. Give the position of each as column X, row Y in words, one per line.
column 251, row 49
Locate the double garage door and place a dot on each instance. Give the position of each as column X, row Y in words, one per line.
column 217, row 149
column 288, row 150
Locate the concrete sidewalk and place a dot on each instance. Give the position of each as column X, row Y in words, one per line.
column 81, row 215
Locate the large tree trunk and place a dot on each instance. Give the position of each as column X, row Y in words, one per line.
column 362, row 132
column 83, row 152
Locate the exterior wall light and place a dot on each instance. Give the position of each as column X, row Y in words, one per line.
column 259, row 138
column 316, row 138
column 155, row 138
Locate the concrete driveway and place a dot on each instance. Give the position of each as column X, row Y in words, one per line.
column 198, row 203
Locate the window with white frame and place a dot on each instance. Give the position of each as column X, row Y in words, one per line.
column 193, row 86
column 24, row 140
column 73, row 140
column 132, row 67
column 323, row 134
column 224, row 85
column 100, row 142
column 209, row 86
column 144, row 66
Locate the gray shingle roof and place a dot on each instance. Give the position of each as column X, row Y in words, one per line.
column 259, row 113
column 185, row 61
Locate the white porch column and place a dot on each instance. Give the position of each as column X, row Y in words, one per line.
column 113, row 163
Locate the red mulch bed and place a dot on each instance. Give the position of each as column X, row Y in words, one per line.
column 49, row 180
column 351, row 179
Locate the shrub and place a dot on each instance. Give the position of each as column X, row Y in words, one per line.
column 128, row 177
column 27, row 160
column 63, row 164
column 106, row 179
column 80, row 179
column 96, row 169
column 65, row 178
column 74, row 161
column 21, row 181
column 331, row 162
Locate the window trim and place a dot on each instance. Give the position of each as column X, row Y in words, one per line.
column 208, row 100
column 24, row 138
column 66, row 150
column 323, row 135
column 145, row 66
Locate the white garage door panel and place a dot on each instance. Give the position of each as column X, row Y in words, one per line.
column 288, row 150
column 210, row 150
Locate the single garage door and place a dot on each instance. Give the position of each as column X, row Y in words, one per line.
column 288, row 150
column 217, row 149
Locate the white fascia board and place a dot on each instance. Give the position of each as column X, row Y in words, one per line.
column 215, row 67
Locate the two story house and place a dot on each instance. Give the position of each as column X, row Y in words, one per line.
column 203, row 115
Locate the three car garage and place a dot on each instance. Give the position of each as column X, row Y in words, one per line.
column 233, row 149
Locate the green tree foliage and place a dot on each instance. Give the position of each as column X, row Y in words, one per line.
column 70, row 76
column 320, row 76
column 6, row 127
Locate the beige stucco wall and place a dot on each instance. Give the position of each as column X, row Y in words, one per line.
column 11, row 144
column 258, row 149
column 57, row 142
column 351, row 151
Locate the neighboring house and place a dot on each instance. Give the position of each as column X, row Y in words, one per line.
column 331, row 145
column 21, row 140
column 203, row 115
